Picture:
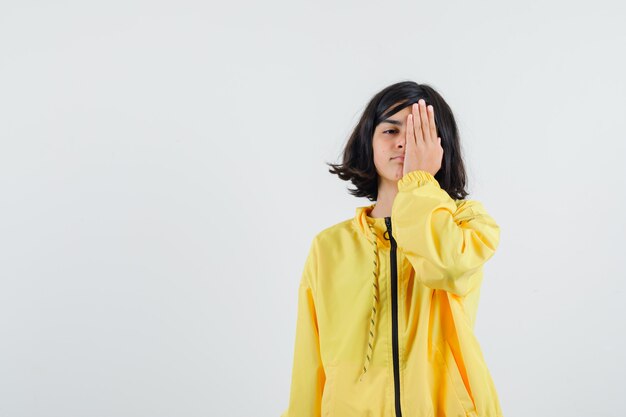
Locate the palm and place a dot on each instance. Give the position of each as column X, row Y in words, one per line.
column 423, row 147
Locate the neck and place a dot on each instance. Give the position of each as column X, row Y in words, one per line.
column 387, row 191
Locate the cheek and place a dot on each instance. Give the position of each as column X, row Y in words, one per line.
column 380, row 153
column 383, row 150
column 382, row 161
column 386, row 152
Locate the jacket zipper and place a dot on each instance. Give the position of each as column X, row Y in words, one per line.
column 394, row 317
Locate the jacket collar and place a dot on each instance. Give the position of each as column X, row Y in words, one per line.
column 371, row 228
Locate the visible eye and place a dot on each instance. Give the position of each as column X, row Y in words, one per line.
column 390, row 130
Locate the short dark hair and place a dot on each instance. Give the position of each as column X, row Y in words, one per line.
column 358, row 154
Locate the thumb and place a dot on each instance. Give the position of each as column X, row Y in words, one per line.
column 405, row 163
column 409, row 143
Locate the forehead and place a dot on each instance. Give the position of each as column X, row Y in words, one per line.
column 398, row 118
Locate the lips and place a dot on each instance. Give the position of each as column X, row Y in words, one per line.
column 400, row 158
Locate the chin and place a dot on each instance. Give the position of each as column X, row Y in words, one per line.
column 393, row 177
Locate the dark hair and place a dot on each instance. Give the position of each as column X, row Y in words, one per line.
column 358, row 154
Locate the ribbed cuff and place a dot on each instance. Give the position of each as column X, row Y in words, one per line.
column 416, row 178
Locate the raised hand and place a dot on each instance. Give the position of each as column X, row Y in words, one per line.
column 423, row 149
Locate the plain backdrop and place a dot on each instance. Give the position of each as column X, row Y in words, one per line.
column 163, row 172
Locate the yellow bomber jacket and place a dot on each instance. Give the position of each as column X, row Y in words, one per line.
column 386, row 311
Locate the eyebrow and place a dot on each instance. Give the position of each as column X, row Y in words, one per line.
column 392, row 122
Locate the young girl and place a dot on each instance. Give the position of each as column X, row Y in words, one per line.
column 387, row 299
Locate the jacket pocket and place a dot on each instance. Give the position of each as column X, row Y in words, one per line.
column 328, row 394
column 446, row 360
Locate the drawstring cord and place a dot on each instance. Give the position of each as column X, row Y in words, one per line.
column 370, row 344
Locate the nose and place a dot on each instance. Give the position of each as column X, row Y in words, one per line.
column 400, row 142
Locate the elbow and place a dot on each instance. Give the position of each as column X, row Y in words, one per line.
column 461, row 283
column 457, row 279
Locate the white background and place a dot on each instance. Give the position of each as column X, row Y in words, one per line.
column 162, row 174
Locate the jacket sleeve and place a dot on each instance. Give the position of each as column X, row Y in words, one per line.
column 445, row 240
column 308, row 376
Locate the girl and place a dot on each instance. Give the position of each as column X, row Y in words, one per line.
column 387, row 299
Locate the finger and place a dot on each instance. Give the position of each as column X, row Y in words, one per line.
column 431, row 120
column 424, row 121
column 417, row 123
column 409, row 147
column 410, row 134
